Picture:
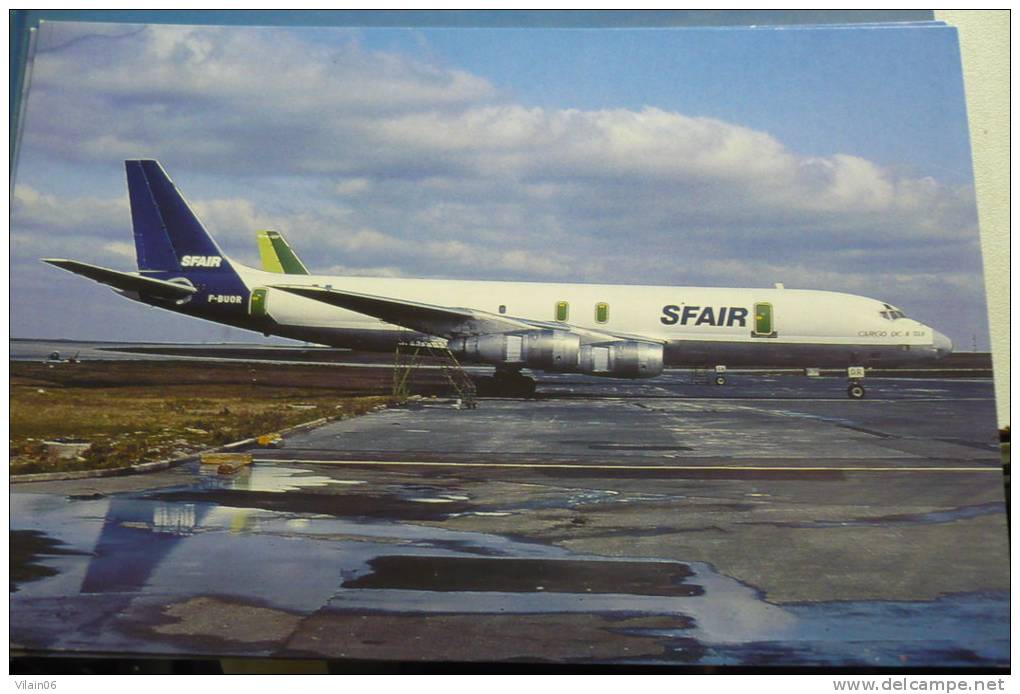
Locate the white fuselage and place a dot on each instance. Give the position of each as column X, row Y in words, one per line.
column 727, row 325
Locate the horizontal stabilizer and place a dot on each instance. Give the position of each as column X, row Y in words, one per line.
column 125, row 281
column 277, row 255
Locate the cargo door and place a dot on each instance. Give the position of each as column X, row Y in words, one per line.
column 258, row 305
column 764, row 320
column 562, row 311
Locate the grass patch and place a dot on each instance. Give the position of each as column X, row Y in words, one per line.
column 129, row 424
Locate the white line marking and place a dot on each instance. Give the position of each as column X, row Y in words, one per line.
column 567, row 466
column 552, row 395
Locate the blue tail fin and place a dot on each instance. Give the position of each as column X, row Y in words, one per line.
column 168, row 235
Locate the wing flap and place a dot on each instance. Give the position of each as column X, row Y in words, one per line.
column 124, row 281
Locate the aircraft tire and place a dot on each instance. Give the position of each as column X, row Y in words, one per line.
column 855, row 391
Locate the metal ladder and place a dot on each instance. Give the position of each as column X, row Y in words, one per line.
column 408, row 357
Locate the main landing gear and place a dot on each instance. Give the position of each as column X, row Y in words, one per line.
column 855, row 390
column 505, row 383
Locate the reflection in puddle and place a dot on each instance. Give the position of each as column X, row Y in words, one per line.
column 28, row 549
column 725, row 610
column 305, row 563
column 956, row 630
column 270, row 478
column 554, row 498
column 515, row 575
column 178, row 519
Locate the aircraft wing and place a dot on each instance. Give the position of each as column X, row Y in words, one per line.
column 124, row 281
column 444, row 321
column 427, row 318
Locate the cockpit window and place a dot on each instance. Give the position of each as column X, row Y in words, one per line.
column 891, row 313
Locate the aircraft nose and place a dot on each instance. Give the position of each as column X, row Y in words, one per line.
column 943, row 345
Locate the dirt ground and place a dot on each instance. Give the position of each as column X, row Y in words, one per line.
column 132, row 412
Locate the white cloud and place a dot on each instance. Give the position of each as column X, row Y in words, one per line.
column 218, row 99
column 124, row 250
column 371, row 162
column 44, row 210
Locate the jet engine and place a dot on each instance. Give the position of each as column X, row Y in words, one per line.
column 621, row 359
column 561, row 351
column 549, row 350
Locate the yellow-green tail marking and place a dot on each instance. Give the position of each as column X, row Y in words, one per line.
column 277, row 255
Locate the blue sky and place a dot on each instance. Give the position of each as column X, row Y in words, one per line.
column 823, row 158
column 840, row 90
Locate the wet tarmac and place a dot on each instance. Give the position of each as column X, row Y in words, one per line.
column 770, row 521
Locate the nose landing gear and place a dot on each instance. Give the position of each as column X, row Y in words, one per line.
column 855, row 390
column 720, row 375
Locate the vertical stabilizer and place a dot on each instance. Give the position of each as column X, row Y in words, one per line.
column 168, row 235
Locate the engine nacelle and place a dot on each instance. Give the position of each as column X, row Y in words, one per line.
column 561, row 351
column 549, row 350
column 623, row 359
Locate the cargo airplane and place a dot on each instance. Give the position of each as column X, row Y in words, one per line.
column 621, row 331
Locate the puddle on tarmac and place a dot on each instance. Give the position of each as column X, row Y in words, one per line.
column 512, row 575
column 294, row 490
column 268, row 478
column 425, row 494
column 956, row 630
column 28, row 549
column 564, row 498
column 724, row 610
column 302, row 562
column 931, row 517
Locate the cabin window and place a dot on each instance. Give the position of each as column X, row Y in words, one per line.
column 562, row 311
column 601, row 312
column 502, row 308
column 763, row 320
